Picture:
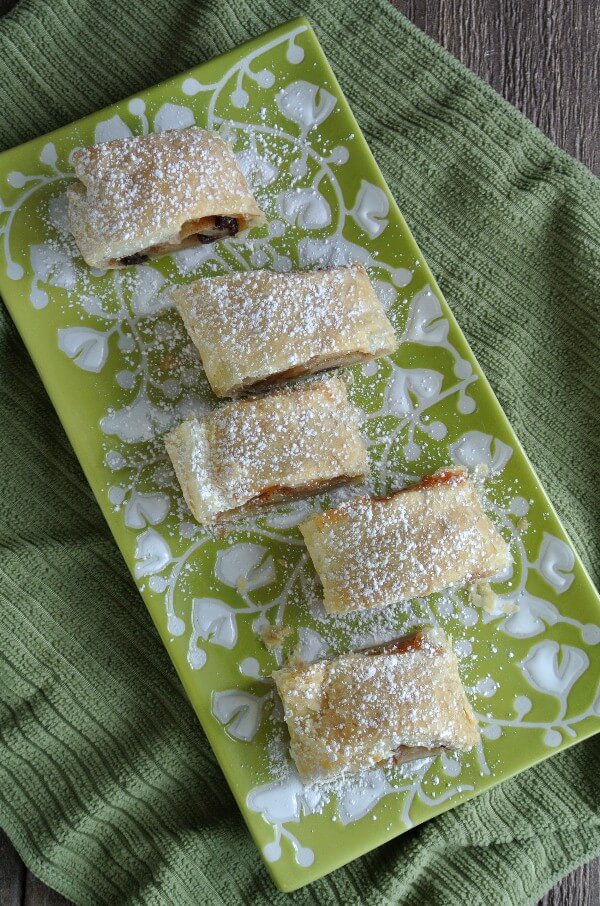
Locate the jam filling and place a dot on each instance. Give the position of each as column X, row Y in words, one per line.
column 282, row 493
column 413, row 641
column 139, row 258
column 205, row 231
column 307, row 368
column 223, row 227
column 445, row 476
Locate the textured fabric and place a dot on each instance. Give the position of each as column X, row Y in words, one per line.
column 107, row 785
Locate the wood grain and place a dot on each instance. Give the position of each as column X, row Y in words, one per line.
column 12, row 874
column 37, row 894
column 543, row 56
column 19, row 887
column 581, row 888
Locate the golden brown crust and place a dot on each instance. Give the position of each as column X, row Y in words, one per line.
column 259, row 328
column 256, row 452
column 145, row 196
column 365, row 709
column 372, row 552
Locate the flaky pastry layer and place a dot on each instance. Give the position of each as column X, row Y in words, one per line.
column 371, row 552
column 137, row 198
column 397, row 702
column 257, row 452
column 259, row 328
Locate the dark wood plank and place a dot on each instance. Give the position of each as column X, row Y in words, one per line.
column 18, row 887
column 580, row 888
column 12, row 874
column 542, row 55
column 37, row 894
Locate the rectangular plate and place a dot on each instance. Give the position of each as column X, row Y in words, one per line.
column 117, row 365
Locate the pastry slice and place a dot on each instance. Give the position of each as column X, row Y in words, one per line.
column 265, row 450
column 434, row 535
column 393, row 703
column 259, row 328
column 137, row 198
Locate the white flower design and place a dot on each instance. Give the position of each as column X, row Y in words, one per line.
column 555, row 563
column 53, row 265
column 214, row 621
column 108, row 130
column 476, row 448
column 426, row 324
column 305, row 104
column 554, row 669
column 152, row 554
column 173, row 116
column 531, row 616
column 305, row 207
column 248, row 566
column 371, row 209
column 238, row 711
column 422, row 383
column 87, row 347
column 146, row 509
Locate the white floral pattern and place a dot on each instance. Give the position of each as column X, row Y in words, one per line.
column 422, row 408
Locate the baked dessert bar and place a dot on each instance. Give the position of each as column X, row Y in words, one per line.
column 255, row 452
column 372, row 552
column 137, row 198
column 258, row 328
column 392, row 703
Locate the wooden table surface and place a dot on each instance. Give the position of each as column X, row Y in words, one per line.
column 544, row 57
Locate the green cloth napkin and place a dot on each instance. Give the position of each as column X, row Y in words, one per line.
column 108, row 787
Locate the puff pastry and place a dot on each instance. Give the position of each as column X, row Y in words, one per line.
column 393, row 703
column 258, row 328
column 252, row 453
column 146, row 196
column 372, row 552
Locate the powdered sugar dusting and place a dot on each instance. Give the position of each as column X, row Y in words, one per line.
column 358, row 710
column 372, row 552
column 137, row 192
column 425, row 407
column 263, row 450
column 250, row 327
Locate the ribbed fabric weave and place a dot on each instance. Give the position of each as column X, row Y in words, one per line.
column 108, row 787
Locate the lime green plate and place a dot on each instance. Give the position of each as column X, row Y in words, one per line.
column 119, row 369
